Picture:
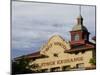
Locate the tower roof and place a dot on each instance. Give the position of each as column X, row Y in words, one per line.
column 79, row 25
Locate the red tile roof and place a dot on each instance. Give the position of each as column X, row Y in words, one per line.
column 74, row 47
column 31, row 56
column 34, row 54
column 81, row 47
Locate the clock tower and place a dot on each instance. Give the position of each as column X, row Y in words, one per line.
column 79, row 33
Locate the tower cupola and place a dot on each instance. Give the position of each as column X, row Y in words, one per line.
column 79, row 33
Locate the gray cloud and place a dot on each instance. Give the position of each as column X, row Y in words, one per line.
column 34, row 23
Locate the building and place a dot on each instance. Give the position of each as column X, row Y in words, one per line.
column 60, row 55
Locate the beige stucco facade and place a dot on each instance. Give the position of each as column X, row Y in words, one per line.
column 57, row 58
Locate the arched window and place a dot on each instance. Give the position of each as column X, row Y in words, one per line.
column 76, row 37
column 85, row 37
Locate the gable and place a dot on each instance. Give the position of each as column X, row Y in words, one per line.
column 55, row 45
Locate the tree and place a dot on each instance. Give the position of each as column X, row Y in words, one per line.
column 20, row 66
column 35, row 67
column 92, row 61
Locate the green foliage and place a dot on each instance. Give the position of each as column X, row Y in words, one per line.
column 92, row 61
column 35, row 67
column 19, row 66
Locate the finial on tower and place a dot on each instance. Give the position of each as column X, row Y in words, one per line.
column 80, row 19
column 80, row 9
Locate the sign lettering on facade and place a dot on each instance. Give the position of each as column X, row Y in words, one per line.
column 56, row 44
column 61, row 61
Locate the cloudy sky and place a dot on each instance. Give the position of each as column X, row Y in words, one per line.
column 34, row 23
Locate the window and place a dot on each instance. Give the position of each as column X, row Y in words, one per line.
column 85, row 37
column 55, row 69
column 66, row 68
column 44, row 70
column 76, row 37
column 76, row 53
column 55, row 55
column 83, row 51
column 80, row 65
